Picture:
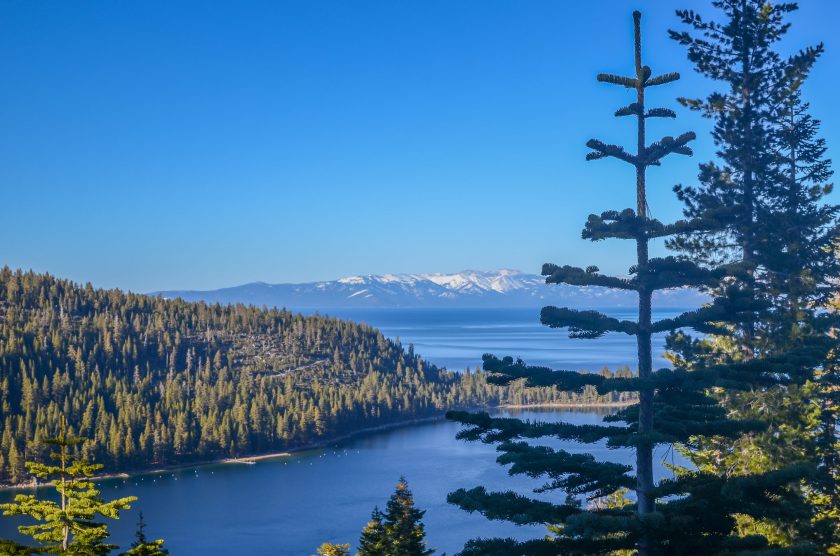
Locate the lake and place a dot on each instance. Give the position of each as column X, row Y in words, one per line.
column 456, row 339
column 288, row 506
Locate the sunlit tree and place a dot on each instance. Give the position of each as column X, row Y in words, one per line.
column 404, row 527
column 374, row 538
column 69, row 525
column 763, row 203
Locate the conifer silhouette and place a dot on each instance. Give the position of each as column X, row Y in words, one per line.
column 694, row 512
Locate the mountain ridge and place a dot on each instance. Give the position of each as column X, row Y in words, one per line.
column 465, row 289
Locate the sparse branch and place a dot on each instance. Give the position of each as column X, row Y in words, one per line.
column 667, row 145
column 571, row 473
column 627, row 82
column 633, row 109
column 738, row 307
column 660, row 113
column 577, row 276
column 489, row 429
column 510, row 506
column 506, row 370
column 671, row 272
column 626, row 224
column 662, row 79
column 585, row 324
column 506, row 547
column 603, row 150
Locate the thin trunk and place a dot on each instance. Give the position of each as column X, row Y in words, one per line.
column 644, row 452
column 746, row 155
column 747, row 169
column 65, row 530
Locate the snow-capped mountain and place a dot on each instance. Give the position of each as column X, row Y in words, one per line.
column 470, row 288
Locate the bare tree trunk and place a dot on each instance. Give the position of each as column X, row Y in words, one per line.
column 646, row 503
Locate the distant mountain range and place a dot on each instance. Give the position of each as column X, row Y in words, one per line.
column 467, row 289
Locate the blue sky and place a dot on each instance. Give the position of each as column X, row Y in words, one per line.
column 157, row 144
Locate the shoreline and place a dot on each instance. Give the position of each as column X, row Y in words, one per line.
column 325, row 443
column 562, row 405
column 240, row 459
column 312, row 445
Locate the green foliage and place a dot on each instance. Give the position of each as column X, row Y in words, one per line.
column 374, row 538
column 67, row 526
column 143, row 546
column 397, row 532
column 329, row 549
column 11, row 548
column 763, row 207
column 158, row 382
column 825, row 492
column 403, row 525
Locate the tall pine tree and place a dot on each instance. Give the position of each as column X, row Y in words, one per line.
column 763, row 208
column 693, row 513
column 403, row 524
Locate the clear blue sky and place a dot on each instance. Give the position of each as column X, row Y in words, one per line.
column 157, row 144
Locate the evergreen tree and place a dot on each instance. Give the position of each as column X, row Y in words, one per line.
column 695, row 512
column 826, row 493
column 374, row 538
column 143, row 546
column 740, row 53
column 329, row 549
column 802, row 274
column 774, row 176
column 404, row 528
column 67, row 526
column 11, row 548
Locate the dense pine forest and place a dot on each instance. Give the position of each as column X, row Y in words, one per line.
column 155, row 382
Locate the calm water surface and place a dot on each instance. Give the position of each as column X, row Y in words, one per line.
column 456, row 339
column 287, row 506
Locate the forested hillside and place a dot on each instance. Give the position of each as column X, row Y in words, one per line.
column 156, row 382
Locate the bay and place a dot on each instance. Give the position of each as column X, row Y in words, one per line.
column 289, row 505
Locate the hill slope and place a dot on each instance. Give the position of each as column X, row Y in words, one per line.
column 155, row 382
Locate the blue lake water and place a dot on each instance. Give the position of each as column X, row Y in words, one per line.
column 456, row 339
column 288, row 506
